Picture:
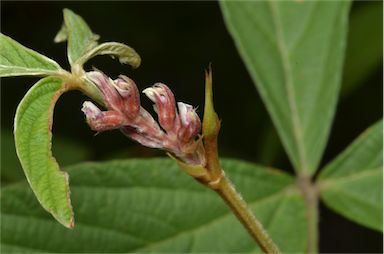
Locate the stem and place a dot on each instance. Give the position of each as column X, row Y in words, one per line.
column 78, row 81
column 234, row 200
column 216, row 179
column 311, row 198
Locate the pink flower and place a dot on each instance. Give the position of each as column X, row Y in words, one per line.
column 164, row 106
column 179, row 128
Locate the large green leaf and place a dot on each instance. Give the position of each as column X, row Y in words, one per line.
column 33, row 126
column 365, row 44
column 17, row 60
column 352, row 184
column 152, row 206
column 294, row 53
column 79, row 35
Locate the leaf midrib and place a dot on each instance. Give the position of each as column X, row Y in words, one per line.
column 330, row 182
column 295, row 120
column 356, row 198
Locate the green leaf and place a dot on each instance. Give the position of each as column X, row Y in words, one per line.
column 33, row 126
column 151, row 206
column 294, row 53
column 17, row 60
column 79, row 35
column 68, row 151
column 124, row 53
column 352, row 184
column 365, row 45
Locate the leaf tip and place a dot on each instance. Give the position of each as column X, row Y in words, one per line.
column 71, row 224
column 67, row 11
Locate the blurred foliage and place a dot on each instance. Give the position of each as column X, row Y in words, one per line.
column 365, row 45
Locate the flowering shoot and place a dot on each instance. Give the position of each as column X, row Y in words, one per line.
column 176, row 131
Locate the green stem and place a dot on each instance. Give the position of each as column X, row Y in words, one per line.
column 234, row 200
column 311, row 198
column 78, row 81
column 216, row 180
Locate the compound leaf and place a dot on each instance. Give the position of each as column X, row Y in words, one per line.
column 33, row 126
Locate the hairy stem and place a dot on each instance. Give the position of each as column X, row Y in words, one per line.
column 234, row 200
column 311, row 198
column 216, row 180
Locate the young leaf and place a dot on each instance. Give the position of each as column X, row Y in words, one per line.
column 152, row 206
column 124, row 53
column 33, row 126
column 352, row 184
column 79, row 35
column 294, row 53
column 17, row 60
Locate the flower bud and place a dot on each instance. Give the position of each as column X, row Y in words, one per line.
column 101, row 121
column 120, row 95
column 165, row 107
column 112, row 99
column 190, row 122
column 128, row 91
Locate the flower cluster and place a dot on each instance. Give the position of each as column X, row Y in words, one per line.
column 178, row 129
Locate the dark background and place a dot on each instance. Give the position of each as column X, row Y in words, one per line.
column 176, row 41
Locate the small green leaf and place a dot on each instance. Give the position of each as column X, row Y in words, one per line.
column 17, row 60
column 352, row 184
column 365, row 45
column 33, row 126
column 124, row 53
column 294, row 52
column 152, row 206
column 79, row 35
